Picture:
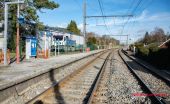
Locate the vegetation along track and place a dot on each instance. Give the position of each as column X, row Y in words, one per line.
column 117, row 85
column 76, row 88
column 155, row 86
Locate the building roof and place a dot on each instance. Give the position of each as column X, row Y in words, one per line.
column 164, row 43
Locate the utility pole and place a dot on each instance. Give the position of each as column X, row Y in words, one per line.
column 6, row 27
column 127, row 40
column 84, row 24
column 5, row 33
column 18, row 37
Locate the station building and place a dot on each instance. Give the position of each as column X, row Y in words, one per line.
column 67, row 41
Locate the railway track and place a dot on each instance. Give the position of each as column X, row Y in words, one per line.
column 106, row 80
column 155, row 87
column 164, row 78
column 117, row 85
column 75, row 88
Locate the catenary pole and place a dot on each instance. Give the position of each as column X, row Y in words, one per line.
column 84, row 23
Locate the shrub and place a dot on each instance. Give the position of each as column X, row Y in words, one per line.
column 143, row 51
column 153, row 48
column 138, row 45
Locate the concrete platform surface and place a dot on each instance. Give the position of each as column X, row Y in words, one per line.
column 16, row 73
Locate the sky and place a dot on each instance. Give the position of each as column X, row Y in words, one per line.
column 147, row 14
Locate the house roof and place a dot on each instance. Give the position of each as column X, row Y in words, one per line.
column 164, row 43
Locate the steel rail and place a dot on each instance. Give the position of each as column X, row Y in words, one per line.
column 63, row 81
column 166, row 80
column 146, row 89
column 96, row 81
column 51, row 69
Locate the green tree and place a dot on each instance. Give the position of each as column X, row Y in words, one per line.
column 72, row 27
column 146, row 39
column 29, row 13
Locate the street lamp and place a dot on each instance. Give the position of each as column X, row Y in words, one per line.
column 6, row 27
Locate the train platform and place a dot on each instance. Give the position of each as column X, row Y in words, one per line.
column 16, row 73
column 162, row 72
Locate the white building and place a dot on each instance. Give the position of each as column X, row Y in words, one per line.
column 1, row 35
column 79, row 39
column 65, row 36
column 61, row 36
column 1, row 42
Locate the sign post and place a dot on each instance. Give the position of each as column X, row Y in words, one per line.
column 55, row 46
column 58, row 47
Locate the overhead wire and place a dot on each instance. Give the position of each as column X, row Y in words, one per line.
column 145, row 6
column 100, row 6
column 133, row 13
column 105, row 18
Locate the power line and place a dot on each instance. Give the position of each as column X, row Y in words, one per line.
column 128, row 12
column 133, row 11
column 146, row 6
column 103, row 17
column 143, row 9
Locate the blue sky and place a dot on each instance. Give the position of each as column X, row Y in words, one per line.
column 148, row 15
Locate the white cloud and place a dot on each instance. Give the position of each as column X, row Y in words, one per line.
column 136, row 30
column 144, row 17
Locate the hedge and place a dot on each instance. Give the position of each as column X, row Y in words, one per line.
column 154, row 55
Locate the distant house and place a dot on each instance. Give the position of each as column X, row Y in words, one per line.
column 67, row 40
column 78, row 38
column 165, row 44
column 61, row 37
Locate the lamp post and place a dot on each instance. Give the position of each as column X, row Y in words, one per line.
column 6, row 27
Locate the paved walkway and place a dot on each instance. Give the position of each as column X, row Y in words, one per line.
column 16, row 73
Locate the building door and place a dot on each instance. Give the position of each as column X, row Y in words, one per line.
column 33, row 47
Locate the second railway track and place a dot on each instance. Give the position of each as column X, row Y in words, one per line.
column 75, row 89
column 156, row 87
column 117, row 85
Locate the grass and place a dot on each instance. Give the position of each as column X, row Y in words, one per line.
column 12, row 54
